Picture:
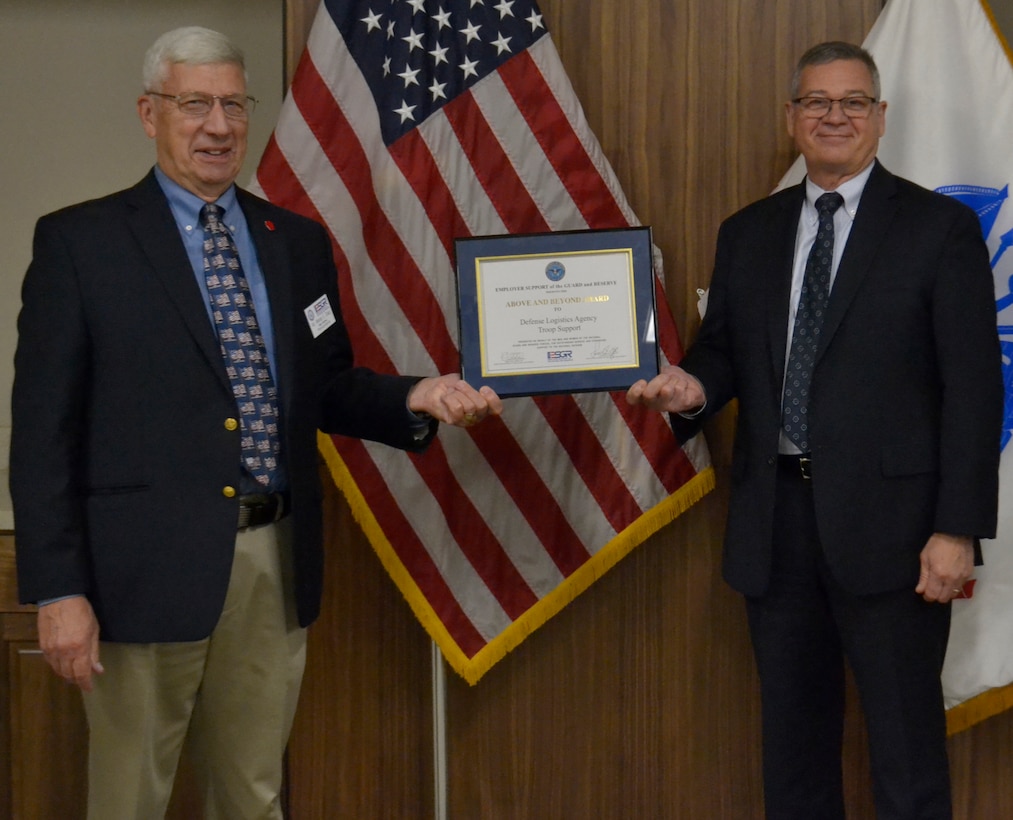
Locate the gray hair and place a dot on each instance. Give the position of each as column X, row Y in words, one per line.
column 191, row 45
column 831, row 52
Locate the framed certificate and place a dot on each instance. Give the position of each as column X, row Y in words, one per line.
column 565, row 312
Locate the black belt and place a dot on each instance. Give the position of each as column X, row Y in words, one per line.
column 265, row 508
column 799, row 466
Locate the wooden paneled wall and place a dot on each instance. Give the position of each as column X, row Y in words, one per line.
column 640, row 699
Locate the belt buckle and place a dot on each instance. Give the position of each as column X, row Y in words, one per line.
column 805, row 467
column 251, row 506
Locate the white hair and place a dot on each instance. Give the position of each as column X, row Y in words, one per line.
column 191, row 45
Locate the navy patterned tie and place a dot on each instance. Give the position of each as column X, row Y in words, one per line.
column 242, row 348
column 808, row 321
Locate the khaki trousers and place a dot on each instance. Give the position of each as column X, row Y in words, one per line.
column 230, row 698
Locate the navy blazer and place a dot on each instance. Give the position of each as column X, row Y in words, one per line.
column 907, row 395
column 121, row 448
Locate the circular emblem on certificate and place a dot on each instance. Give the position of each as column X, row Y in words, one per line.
column 555, row 271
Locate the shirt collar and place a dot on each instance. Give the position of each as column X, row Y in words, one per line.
column 850, row 190
column 186, row 205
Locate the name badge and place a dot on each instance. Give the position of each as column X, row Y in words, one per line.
column 320, row 315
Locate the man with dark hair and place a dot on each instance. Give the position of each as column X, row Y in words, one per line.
column 853, row 318
column 180, row 344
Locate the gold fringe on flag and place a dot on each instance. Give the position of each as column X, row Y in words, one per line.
column 970, row 712
column 472, row 669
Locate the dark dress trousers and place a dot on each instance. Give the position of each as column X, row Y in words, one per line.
column 123, row 442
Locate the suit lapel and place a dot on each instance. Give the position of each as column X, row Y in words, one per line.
column 155, row 230
column 875, row 213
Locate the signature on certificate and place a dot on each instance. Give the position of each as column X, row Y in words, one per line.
column 603, row 352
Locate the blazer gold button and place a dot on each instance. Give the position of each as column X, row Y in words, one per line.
column 229, row 492
column 231, row 424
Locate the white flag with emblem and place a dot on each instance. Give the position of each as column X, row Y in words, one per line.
column 948, row 78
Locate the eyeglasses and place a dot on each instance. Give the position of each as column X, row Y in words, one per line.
column 196, row 104
column 857, row 107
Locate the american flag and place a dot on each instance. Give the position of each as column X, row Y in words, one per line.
column 410, row 123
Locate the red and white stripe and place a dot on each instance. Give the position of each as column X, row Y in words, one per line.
column 488, row 521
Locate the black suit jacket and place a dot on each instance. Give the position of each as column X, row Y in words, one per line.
column 906, row 399
column 120, row 451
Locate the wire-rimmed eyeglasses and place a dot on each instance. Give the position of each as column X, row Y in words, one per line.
column 857, row 107
column 198, row 104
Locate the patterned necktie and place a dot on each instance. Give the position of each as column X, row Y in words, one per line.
column 808, row 320
column 242, row 348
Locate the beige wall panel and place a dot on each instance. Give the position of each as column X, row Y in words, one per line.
column 71, row 74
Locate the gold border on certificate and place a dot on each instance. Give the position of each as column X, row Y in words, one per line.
column 584, row 320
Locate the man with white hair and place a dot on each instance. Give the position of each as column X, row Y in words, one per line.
column 180, row 344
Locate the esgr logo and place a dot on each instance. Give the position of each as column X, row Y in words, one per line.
column 317, row 308
column 559, row 355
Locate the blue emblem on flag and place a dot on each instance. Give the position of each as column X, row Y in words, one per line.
column 555, row 271
column 987, row 203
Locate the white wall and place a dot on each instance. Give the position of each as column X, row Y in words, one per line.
column 70, row 73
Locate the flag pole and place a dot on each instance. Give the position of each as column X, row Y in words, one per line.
column 439, row 734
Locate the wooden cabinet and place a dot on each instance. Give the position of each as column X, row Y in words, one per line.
column 43, row 734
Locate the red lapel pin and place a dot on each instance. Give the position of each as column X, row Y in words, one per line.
column 269, row 225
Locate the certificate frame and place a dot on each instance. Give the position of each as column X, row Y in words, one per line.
column 562, row 312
